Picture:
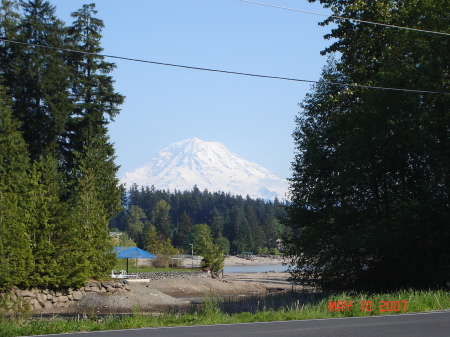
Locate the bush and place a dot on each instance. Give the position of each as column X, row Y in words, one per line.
column 164, row 261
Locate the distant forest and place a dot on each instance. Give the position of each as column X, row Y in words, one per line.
column 237, row 224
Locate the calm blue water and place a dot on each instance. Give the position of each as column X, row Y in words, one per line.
column 255, row 269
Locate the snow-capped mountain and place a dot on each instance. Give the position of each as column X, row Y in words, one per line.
column 208, row 165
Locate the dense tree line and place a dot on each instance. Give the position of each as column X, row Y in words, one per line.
column 58, row 186
column 235, row 223
column 371, row 184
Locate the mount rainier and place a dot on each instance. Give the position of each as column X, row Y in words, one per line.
column 208, row 165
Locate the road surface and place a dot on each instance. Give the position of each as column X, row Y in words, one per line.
column 434, row 323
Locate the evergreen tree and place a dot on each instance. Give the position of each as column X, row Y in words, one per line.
column 216, row 223
column 136, row 224
column 9, row 21
column 152, row 240
column 161, row 219
column 183, row 230
column 224, row 244
column 372, row 166
column 89, row 214
column 94, row 192
column 47, row 224
column 241, row 237
column 64, row 102
column 125, row 241
column 212, row 254
column 96, row 103
column 156, row 244
column 256, row 232
column 15, row 246
column 37, row 78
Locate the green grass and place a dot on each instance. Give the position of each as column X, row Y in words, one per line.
column 283, row 306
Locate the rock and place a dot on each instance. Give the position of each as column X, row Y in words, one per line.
column 36, row 306
column 41, row 297
column 77, row 295
column 66, row 304
column 27, row 293
column 63, row 299
column 47, row 305
column 110, row 289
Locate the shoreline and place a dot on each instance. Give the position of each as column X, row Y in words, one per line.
column 155, row 295
column 239, row 261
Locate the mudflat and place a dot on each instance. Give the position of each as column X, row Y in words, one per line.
column 157, row 295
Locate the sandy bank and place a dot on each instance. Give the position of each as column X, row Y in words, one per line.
column 237, row 261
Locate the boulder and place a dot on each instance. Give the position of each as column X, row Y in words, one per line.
column 77, row 295
column 26, row 293
column 41, row 297
column 47, row 305
column 63, row 299
column 110, row 289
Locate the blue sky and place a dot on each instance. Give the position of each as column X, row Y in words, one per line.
column 252, row 117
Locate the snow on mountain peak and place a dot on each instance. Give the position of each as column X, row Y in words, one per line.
column 208, row 165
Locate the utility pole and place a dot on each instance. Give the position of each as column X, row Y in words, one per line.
column 192, row 254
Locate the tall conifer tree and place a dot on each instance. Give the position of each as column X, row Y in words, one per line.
column 372, row 165
column 38, row 78
column 47, row 224
column 96, row 104
column 15, row 246
column 89, row 154
column 9, row 21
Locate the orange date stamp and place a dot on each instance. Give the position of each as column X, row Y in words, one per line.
column 367, row 306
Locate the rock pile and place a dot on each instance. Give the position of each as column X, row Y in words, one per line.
column 39, row 299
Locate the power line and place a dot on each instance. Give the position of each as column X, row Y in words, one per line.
column 225, row 71
column 350, row 19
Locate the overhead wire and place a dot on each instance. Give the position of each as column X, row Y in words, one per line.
column 345, row 18
column 225, row 71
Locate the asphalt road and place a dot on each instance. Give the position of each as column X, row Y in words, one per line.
column 436, row 324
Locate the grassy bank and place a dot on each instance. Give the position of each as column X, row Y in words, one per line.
column 283, row 306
